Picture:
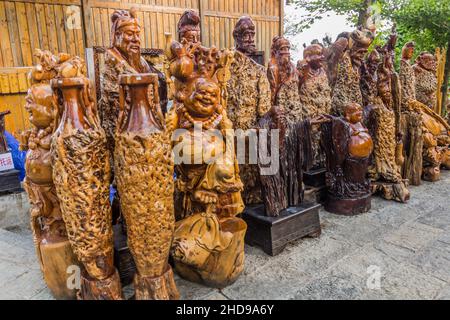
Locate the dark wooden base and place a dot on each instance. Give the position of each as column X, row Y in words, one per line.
column 348, row 207
column 123, row 260
column 9, row 181
column 315, row 178
column 272, row 234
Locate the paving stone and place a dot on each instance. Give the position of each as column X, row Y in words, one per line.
column 191, row 291
column 24, row 287
column 216, row 295
column 444, row 294
column 434, row 260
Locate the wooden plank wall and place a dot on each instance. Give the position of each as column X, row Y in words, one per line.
column 47, row 24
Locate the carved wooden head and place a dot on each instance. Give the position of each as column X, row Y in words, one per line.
column 427, row 61
column 408, row 50
column 313, row 55
column 360, row 42
column 281, row 50
column 125, row 32
column 205, row 98
column 189, row 27
column 244, row 35
column 40, row 105
column 353, row 113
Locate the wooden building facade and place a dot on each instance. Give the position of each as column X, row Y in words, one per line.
column 73, row 25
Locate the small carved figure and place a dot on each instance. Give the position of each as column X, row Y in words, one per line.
column 144, row 171
column 283, row 79
column 208, row 244
column 348, row 148
column 344, row 59
column 123, row 57
column 426, row 79
column 248, row 99
column 53, row 249
column 81, row 173
column 189, row 27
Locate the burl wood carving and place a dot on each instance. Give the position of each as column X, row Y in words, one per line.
column 426, row 79
column 123, row 57
column 283, row 79
column 381, row 118
column 248, row 99
column 144, row 174
column 344, row 60
column 411, row 120
column 81, row 173
column 53, row 249
column 314, row 94
column 348, row 148
column 208, row 244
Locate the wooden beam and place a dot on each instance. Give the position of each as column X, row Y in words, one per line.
column 88, row 27
column 60, row 2
column 281, row 17
column 201, row 11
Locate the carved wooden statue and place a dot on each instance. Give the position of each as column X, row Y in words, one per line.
column 348, row 147
column 248, row 98
column 144, row 173
column 208, row 244
column 53, row 249
column 385, row 171
column 123, row 57
column 426, row 79
column 189, row 27
column 3, row 144
column 411, row 120
column 314, row 94
column 344, row 59
column 283, row 79
column 81, row 173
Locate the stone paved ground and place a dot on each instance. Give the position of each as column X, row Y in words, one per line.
column 409, row 243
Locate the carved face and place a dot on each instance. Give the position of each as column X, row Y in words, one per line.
column 204, row 100
column 313, row 55
column 39, row 104
column 284, row 53
column 245, row 39
column 357, row 55
column 128, row 40
column 407, row 52
column 353, row 113
column 191, row 36
column 384, row 88
column 427, row 61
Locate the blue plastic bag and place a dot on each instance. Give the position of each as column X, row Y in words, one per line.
column 17, row 155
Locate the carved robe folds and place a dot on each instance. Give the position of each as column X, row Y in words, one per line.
column 248, row 100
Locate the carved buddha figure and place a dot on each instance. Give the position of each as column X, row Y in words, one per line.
column 426, row 79
column 123, row 57
column 283, row 79
column 345, row 57
column 248, row 98
column 349, row 146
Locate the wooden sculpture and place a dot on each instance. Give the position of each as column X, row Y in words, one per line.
column 348, row 147
column 426, row 79
column 283, row 79
column 53, row 249
column 344, row 59
column 248, row 99
column 208, row 244
column 123, row 57
column 382, row 119
column 411, row 120
column 314, row 95
column 189, row 27
column 81, row 173
column 144, row 173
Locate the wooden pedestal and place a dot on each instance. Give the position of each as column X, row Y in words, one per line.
column 272, row 234
column 123, row 260
column 9, row 181
column 315, row 178
column 348, row 207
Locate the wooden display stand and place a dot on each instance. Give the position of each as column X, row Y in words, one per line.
column 272, row 234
